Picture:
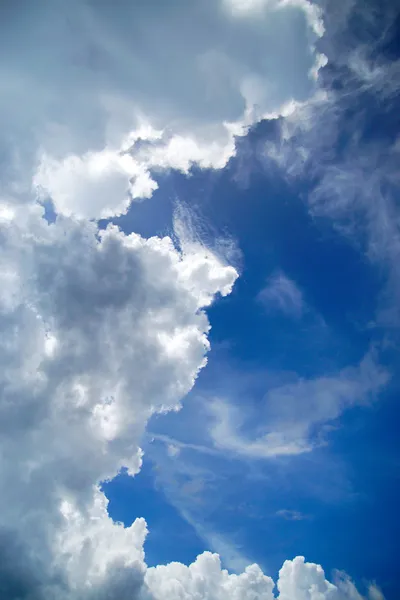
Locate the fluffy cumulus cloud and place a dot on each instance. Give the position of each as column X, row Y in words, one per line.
column 298, row 580
column 92, row 185
column 100, row 331
column 169, row 82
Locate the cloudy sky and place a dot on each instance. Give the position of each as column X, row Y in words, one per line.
column 199, row 299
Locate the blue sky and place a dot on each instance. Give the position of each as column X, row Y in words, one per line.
column 199, row 299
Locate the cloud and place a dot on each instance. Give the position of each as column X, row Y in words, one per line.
column 282, row 294
column 100, row 331
column 178, row 445
column 298, row 580
column 91, row 185
column 291, row 515
column 326, row 143
column 359, row 196
column 206, row 579
column 293, row 417
column 171, row 84
column 375, row 593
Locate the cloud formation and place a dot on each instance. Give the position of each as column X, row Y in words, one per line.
column 292, row 418
column 298, row 580
column 170, row 83
column 100, row 331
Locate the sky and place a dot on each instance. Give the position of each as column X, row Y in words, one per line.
column 199, row 299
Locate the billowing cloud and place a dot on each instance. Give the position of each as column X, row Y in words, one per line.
column 100, row 330
column 171, row 83
column 298, row 580
column 92, row 185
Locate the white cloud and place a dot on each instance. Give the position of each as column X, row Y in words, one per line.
column 100, row 331
column 313, row 12
column 204, row 579
column 174, row 82
column 173, row 450
column 92, row 185
column 282, row 294
column 374, row 593
column 225, row 434
column 293, row 417
column 305, row 581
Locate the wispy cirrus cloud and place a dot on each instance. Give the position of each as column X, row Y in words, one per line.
column 288, row 419
column 291, row 515
column 326, row 143
column 283, row 295
column 292, row 418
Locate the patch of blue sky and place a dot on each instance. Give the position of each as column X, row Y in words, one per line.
column 171, row 537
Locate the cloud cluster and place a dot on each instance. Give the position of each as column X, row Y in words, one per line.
column 171, row 83
column 100, row 331
column 206, row 579
column 298, row 580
